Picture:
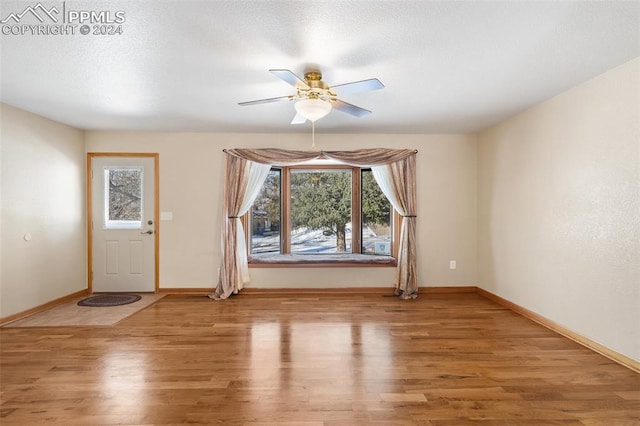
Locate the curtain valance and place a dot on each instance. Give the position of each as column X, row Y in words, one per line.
column 359, row 157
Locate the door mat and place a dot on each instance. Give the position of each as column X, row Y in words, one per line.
column 115, row 299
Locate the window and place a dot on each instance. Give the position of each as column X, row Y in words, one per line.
column 377, row 217
column 320, row 209
column 316, row 210
column 266, row 216
column 123, row 198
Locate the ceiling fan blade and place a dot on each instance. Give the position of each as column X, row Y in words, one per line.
column 358, row 86
column 290, row 78
column 266, row 101
column 348, row 108
column 298, row 119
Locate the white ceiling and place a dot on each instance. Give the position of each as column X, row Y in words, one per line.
column 448, row 67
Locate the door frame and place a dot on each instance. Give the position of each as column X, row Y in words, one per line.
column 156, row 213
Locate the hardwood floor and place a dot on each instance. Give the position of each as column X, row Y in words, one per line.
column 442, row 359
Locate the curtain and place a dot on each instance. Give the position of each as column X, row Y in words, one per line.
column 246, row 171
column 397, row 182
column 243, row 182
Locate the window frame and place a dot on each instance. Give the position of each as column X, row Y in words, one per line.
column 356, row 224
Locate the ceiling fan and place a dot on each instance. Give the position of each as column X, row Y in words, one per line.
column 314, row 98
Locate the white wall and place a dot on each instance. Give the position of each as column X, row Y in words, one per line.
column 191, row 172
column 559, row 209
column 43, row 194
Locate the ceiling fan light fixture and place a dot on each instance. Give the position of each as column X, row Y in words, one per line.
column 313, row 109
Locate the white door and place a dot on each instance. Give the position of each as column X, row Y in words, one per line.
column 123, row 224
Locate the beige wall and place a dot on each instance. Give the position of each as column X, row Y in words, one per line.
column 559, row 209
column 191, row 188
column 43, row 194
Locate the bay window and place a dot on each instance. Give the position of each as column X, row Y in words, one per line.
column 307, row 211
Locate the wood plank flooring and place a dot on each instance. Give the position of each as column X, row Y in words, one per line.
column 442, row 359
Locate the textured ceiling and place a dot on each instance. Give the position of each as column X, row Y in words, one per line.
column 184, row 65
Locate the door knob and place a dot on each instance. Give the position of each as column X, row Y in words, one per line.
column 149, row 232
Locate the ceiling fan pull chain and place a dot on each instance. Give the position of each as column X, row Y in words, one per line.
column 313, row 134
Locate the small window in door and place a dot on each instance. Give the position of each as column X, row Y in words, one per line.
column 123, row 197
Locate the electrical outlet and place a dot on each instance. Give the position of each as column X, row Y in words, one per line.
column 452, row 264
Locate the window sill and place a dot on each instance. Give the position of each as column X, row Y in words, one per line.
column 321, row 261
